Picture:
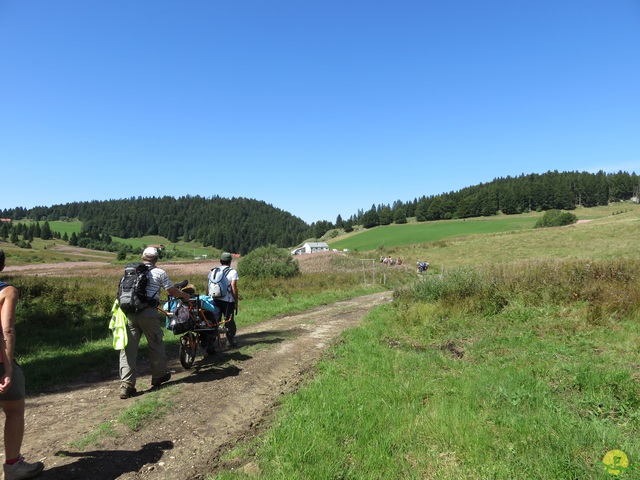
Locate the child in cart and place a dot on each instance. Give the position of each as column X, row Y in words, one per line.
column 211, row 312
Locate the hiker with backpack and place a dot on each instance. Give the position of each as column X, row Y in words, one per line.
column 143, row 318
column 223, row 289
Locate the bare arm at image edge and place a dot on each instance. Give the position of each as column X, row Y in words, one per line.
column 8, row 302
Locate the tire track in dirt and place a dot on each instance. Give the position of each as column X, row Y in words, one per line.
column 224, row 399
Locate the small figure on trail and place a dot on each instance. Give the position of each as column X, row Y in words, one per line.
column 12, row 390
column 422, row 266
column 147, row 322
column 227, row 277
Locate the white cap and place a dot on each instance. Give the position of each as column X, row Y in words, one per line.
column 150, row 252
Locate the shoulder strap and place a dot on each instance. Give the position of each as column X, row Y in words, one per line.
column 224, row 275
column 212, row 274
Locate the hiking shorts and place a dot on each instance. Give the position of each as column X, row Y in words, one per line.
column 16, row 389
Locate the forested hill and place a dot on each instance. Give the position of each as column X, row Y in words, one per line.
column 510, row 195
column 237, row 225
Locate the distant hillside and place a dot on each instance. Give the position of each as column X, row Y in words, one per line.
column 236, row 225
column 508, row 195
column 240, row 224
column 415, row 234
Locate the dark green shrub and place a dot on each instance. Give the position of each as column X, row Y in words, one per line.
column 268, row 262
column 556, row 218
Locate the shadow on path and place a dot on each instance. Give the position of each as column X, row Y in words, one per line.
column 106, row 463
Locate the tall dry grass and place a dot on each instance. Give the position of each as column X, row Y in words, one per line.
column 608, row 287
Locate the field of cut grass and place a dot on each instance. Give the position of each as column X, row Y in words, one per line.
column 72, row 226
column 65, row 227
column 415, row 233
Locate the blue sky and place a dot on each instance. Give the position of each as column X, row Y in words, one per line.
column 317, row 108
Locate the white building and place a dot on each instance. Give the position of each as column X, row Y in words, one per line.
column 311, row 247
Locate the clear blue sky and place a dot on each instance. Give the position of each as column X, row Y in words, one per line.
column 318, row 108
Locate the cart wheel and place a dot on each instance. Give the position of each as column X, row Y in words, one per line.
column 188, row 349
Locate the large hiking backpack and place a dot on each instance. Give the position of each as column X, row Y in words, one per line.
column 218, row 283
column 132, row 289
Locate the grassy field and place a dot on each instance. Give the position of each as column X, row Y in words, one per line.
column 534, row 392
column 412, row 234
column 523, row 367
column 609, row 234
column 65, row 227
column 47, row 251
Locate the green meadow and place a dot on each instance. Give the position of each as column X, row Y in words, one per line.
column 515, row 366
column 413, row 233
column 39, row 254
column 64, row 227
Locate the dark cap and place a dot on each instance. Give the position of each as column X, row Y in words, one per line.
column 225, row 257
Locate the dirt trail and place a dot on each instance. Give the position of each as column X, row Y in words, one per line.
column 225, row 398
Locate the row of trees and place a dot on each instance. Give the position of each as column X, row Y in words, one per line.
column 27, row 231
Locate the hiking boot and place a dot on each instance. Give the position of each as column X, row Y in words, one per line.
column 21, row 470
column 159, row 381
column 127, row 391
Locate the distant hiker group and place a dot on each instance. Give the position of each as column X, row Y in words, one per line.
column 390, row 261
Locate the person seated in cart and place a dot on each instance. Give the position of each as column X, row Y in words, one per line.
column 212, row 313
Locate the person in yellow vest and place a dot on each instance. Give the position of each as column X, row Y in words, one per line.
column 12, row 390
column 147, row 322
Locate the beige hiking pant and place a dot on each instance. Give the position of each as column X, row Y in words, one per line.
column 146, row 322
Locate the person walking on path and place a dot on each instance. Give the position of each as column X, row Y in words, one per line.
column 12, row 388
column 228, row 303
column 147, row 322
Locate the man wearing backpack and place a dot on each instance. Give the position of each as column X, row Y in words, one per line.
column 228, row 302
column 147, row 322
